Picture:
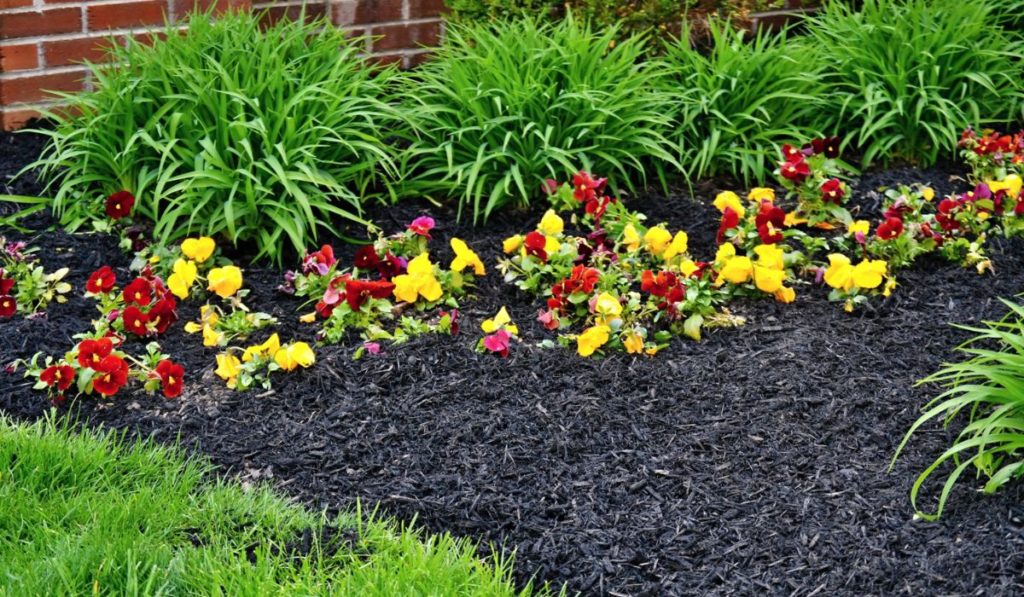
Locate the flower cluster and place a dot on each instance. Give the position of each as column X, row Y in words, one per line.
column 812, row 174
column 25, row 286
column 98, row 365
column 993, row 155
column 392, row 291
column 145, row 307
column 259, row 361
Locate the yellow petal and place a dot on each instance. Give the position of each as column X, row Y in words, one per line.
column 839, row 274
column 512, row 243
column 198, row 249
column 308, row 317
column 728, row 199
column 591, row 339
column 551, row 224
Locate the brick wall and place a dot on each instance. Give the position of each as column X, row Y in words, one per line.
column 42, row 42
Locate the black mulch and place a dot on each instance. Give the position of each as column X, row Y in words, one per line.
column 752, row 462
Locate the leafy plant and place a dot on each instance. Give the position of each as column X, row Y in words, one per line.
column 906, row 76
column 736, row 104
column 504, row 107
column 987, row 389
column 226, row 129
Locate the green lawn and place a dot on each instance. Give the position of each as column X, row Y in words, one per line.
column 89, row 512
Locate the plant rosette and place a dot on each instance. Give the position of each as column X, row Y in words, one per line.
column 499, row 332
column 25, row 286
column 813, row 175
column 219, row 328
column 98, row 366
column 145, row 306
column 392, row 291
column 185, row 267
column 258, row 362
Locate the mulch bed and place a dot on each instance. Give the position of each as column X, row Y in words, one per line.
column 754, row 461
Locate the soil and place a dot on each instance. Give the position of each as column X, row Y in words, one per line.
column 752, row 462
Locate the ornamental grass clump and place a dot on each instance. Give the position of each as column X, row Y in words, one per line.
column 906, row 76
column 226, row 129
column 735, row 105
column 986, row 393
column 504, row 107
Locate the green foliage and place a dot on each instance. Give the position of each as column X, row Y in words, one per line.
column 906, row 76
column 736, row 104
column 226, row 129
column 988, row 390
column 91, row 513
column 503, row 107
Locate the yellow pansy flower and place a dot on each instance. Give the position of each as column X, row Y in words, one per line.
column 292, row 356
column 198, row 249
column 688, row 267
column 634, row 343
column 551, row 224
column 890, row 285
column 861, row 226
column 183, row 275
column 465, row 257
column 737, row 270
column 607, row 307
column 499, row 321
column 211, row 337
column 657, row 240
column 725, row 252
column 1012, row 184
column 869, row 273
column 785, row 295
column 839, row 274
column 630, row 238
column 512, row 243
column 928, row 193
column 768, row 279
column 551, row 245
column 769, row 256
column 228, row 368
column 759, row 194
column 680, row 243
column 418, row 281
column 591, row 339
column 267, row 349
column 728, row 199
column 224, row 281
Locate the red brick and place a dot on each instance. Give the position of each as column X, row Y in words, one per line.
column 15, row 119
column 406, row 36
column 425, row 9
column 41, row 22
column 183, row 7
column 126, row 14
column 75, row 51
column 14, row 3
column 419, row 58
column 386, row 59
column 34, row 88
column 277, row 13
column 18, row 57
column 377, row 11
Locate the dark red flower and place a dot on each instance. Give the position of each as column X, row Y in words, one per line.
column 791, row 153
column 945, row 214
column 357, row 292
column 890, row 228
column 664, row 285
column 172, row 376
column 91, row 352
column 163, row 314
column 366, row 258
column 61, row 376
column 730, row 220
column 120, row 204
column 586, row 187
column 320, row 261
column 138, row 292
column 770, row 221
column 6, row 284
column 534, row 244
column 135, row 320
column 832, row 191
column 101, row 281
column 828, row 146
column 581, row 279
column 597, row 207
column 8, row 306
column 796, row 171
column 111, row 375
column 1018, row 210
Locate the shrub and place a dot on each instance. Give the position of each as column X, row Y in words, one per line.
column 501, row 108
column 905, row 76
column 261, row 136
column 987, row 389
column 736, row 104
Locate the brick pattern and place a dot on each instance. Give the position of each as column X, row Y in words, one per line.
column 44, row 42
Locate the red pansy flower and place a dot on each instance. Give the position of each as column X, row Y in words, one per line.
column 172, row 376
column 6, row 284
column 319, row 261
column 61, row 376
column 163, row 314
column 111, row 375
column 366, row 258
column 791, row 153
column 120, row 204
column 135, row 320
column 101, row 281
column 796, row 171
column 8, row 306
column 890, row 228
column 357, row 292
column 770, row 221
column 730, row 220
column 139, row 292
column 832, row 191
column 828, row 146
column 91, row 352
column 535, row 243
column 586, row 187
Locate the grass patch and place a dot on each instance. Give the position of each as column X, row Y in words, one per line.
column 91, row 512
